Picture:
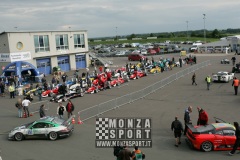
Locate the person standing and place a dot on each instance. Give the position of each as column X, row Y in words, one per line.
column 178, row 129
column 235, row 84
column 237, row 142
column 19, row 107
column 137, row 154
column 208, row 79
column 125, row 154
column 180, row 62
column 69, row 108
column 64, row 77
column 202, row 117
column 11, row 90
column 39, row 90
column 194, row 79
column 60, row 110
column 233, row 60
column 187, row 119
column 25, row 104
column 42, row 111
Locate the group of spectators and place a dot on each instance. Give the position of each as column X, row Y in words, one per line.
column 123, row 153
column 177, row 126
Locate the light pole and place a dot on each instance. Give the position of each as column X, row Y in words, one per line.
column 116, row 33
column 187, row 29
column 204, row 17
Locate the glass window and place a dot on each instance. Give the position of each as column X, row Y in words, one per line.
column 39, row 125
column 219, row 132
column 228, row 132
column 61, row 42
column 41, row 43
column 79, row 41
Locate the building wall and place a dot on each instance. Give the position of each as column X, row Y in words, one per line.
column 4, row 45
column 9, row 40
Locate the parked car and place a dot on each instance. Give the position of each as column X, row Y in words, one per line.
column 225, row 61
column 222, row 76
column 47, row 127
column 215, row 136
column 135, row 56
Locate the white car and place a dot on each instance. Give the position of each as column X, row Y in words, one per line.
column 222, row 76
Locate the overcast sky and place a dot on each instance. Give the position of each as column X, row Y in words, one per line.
column 118, row 17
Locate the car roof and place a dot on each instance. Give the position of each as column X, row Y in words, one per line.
column 223, row 125
column 46, row 119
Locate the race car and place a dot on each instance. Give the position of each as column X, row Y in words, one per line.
column 47, row 127
column 222, row 76
column 215, row 136
column 75, row 91
column 47, row 93
column 58, row 98
column 137, row 74
column 155, row 70
column 225, row 61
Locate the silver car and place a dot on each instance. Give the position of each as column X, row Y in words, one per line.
column 48, row 127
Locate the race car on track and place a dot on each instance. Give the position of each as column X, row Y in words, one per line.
column 215, row 136
column 222, row 76
column 225, row 61
column 47, row 127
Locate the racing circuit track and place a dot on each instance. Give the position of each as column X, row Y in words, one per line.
column 162, row 106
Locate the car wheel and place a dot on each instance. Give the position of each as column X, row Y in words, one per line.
column 53, row 136
column 130, row 59
column 137, row 77
column 18, row 136
column 206, row 146
column 118, row 83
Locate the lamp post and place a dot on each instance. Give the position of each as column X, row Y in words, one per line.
column 204, row 17
column 116, row 33
column 187, row 29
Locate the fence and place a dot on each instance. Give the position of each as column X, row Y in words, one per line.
column 131, row 97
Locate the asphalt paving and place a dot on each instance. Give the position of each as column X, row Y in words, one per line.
column 161, row 106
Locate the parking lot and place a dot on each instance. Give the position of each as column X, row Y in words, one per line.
column 162, row 106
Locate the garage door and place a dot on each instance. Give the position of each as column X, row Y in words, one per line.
column 44, row 66
column 63, row 63
column 80, row 61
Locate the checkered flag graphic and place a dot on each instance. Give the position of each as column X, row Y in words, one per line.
column 102, row 128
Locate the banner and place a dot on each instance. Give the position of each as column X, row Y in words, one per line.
column 20, row 56
column 4, row 57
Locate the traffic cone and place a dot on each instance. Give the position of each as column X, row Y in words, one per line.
column 24, row 115
column 73, row 121
column 79, row 120
column 31, row 114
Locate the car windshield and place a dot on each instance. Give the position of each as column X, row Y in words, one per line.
column 221, row 74
column 28, row 124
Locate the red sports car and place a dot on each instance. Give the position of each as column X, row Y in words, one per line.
column 215, row 136
column 137, row 74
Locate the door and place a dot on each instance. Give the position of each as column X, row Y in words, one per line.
column 219, row 141
column 44, row 66
column 63, row 63
column 38, row 130
column 80, row 61
column 230, row 138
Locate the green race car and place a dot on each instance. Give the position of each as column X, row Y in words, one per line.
column 47, row 127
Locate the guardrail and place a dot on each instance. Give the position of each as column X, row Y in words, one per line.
column 131, row 97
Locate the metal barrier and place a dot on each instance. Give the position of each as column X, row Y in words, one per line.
column 130, row 98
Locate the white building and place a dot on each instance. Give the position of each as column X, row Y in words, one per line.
column 45, row 49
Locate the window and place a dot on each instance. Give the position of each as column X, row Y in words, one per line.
column 228, row 132
column 39, row 125
column 62, row 42
column 79, row 41
column 219, row 132
column 41, row 43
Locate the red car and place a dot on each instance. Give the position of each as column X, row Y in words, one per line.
column 215, row 136
column 137, row 75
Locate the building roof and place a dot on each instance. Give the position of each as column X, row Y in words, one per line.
column 37, row 31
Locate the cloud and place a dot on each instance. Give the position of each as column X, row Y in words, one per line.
column 101, row 17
